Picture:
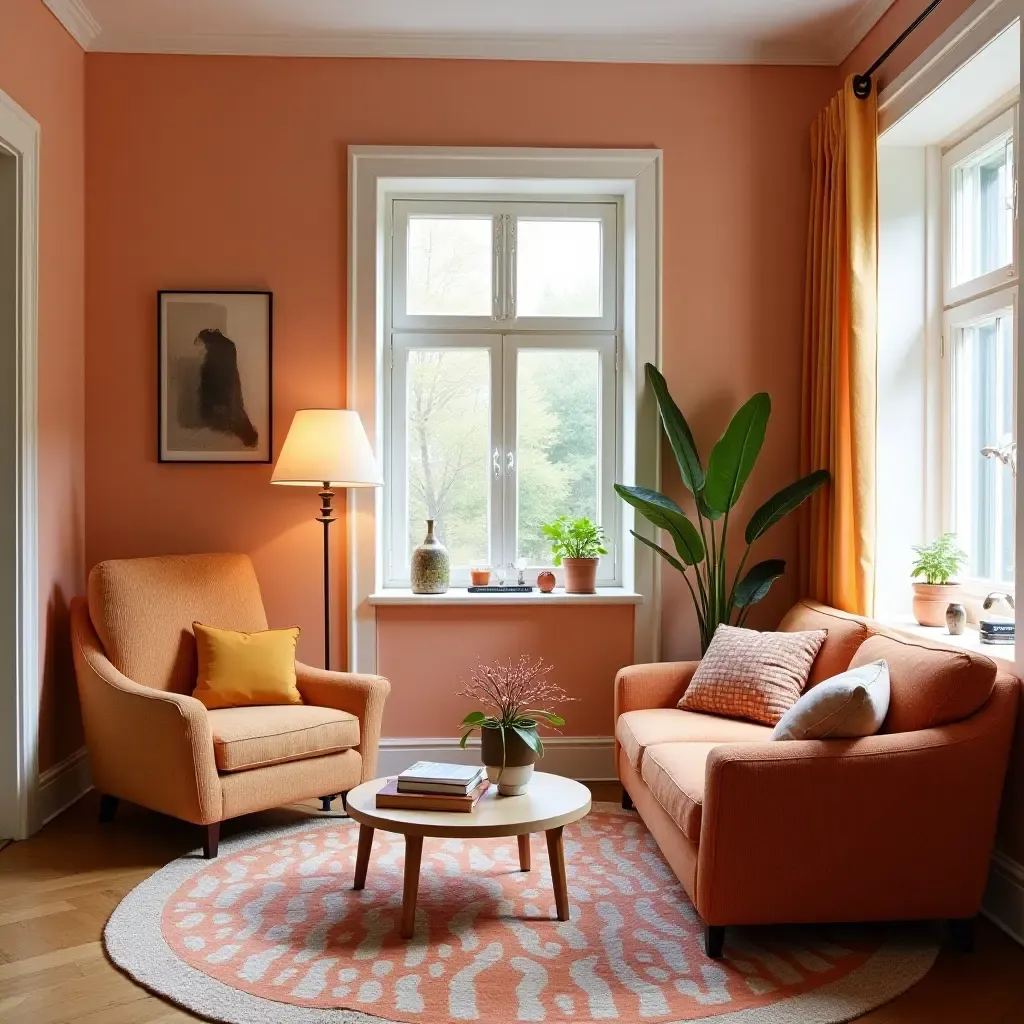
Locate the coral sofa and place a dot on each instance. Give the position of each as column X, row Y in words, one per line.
column 895, row 826
column 153, row 743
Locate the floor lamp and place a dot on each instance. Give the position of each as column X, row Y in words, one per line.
column 327, row 448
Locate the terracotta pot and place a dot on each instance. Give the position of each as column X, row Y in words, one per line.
column 518, row 759
column 931, row 601
column 580, row 575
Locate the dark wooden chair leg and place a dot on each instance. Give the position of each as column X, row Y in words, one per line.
column 344, row 801
column 627, row 801
column 961, row 934
column 325, row 802
column 211, row 840
column 108, row 808
column 714, row 940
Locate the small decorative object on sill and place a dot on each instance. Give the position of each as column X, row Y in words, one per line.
column 546, row 581
column 577, row 545
column 956, row 619
column 937, row 562
column 430, row 565
column 997, row 631
column 500, row 590
column 518, row 695
column 480, row 577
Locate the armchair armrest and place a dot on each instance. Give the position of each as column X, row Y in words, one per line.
column 660, row 685
column 892, row 826
column 359, row 695
column 149, row 746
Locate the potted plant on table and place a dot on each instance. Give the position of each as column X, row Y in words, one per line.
column 516, row 697
column 577, row 545
column 937, row 563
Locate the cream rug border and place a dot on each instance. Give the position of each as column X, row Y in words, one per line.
column 135, row 943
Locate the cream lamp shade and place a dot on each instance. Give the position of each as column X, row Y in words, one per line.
column 327, row 446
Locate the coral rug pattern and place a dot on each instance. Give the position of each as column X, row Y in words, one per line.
column 273, row 930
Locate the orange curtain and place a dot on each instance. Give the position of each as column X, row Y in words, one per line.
column 837, row 540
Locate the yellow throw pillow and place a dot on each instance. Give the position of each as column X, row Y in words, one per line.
column 243, row 669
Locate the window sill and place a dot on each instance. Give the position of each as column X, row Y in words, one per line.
column 967, row 641
column 460, row 596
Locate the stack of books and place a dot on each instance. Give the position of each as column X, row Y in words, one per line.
column 433, row 786
column 997, row 631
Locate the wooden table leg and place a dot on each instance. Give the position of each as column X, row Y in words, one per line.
column 413, row 853
column 557, row 857
column 363, row 855
column 524, row 852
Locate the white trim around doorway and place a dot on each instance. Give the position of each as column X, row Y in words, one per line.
column 20, row 662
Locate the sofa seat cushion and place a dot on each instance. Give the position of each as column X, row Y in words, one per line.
column 674, row 773
column 930, row 684
column 637, row 730
column 259, row 736
column 845, row 632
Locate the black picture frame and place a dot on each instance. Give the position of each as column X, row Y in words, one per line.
column 215, row 403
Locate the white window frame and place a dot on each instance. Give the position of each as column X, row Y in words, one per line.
column 634, row 177
column 504, row 334
column 967, row 303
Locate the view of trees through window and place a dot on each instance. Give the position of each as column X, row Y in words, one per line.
column 449, row 445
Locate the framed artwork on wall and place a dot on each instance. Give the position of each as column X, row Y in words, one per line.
column 214, row 376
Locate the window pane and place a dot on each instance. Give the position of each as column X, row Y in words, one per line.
column 982, row 213
column 449, row 266
column 983, row 418
column 448, row 435
column 558, row 268
column 557, row 394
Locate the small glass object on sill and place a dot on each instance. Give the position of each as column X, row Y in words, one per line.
column 956, row 619
column 431, row 568
column 480, row 577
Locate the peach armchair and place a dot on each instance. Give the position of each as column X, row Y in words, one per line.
column 151, row 742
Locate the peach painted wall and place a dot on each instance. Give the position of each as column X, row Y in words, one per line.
column 207, row 172
column 43, row 69
column 415, row 650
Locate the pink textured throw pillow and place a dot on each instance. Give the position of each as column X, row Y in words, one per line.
column 752, row 675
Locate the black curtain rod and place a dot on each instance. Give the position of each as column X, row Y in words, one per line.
column 862, row 83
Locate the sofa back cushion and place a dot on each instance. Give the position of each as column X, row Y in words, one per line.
column 143, row 610
column 845, row 635
column 930, row 684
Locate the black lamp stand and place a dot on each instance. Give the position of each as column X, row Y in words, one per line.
column 325, row 517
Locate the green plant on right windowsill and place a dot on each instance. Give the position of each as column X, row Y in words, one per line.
column 938, row 563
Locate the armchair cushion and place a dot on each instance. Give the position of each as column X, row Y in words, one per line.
column 254, row 737
column 930, row 684
column 638, row 730
column 674, row 773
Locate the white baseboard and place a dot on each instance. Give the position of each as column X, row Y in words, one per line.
column 586, row 758
column 1003, row 903
column 62, row 785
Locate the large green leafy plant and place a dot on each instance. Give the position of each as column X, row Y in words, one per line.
column 701, row 549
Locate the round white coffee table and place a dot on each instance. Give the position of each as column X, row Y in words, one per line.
column 549, row 804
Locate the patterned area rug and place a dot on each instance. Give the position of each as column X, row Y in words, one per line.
column 272, row 931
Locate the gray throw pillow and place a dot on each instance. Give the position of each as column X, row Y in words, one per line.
column 852, row 703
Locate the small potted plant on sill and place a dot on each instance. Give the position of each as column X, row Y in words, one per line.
column 516, row 697
column 577, row 545
column 937, row 562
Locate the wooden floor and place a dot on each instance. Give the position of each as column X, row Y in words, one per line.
column 57, row 889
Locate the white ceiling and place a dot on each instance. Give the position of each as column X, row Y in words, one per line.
column 734, row 31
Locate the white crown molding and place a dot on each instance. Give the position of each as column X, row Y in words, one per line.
column 77, row 19
column 863, row 19
column 603, row 48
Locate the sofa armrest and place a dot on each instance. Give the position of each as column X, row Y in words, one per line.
column 149, row 746
column 359, row 695
column 659, row 685
column 890, row 826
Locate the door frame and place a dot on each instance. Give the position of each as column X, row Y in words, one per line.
column 20, row 657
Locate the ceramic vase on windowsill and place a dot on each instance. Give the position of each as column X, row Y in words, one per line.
column 431, row 568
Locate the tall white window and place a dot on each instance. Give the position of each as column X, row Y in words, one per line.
column 979, row 347
column 501, row 376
